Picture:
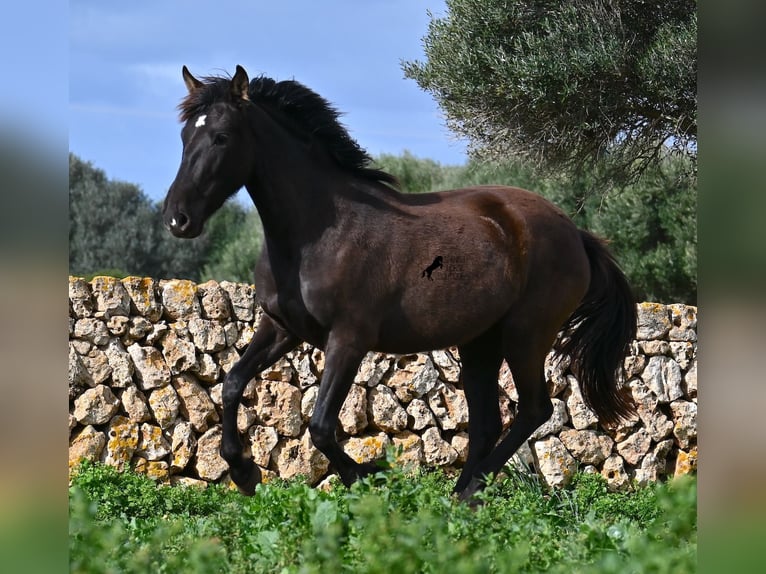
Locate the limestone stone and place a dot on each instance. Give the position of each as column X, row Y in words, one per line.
column 120, row 363
column 179, row 353
column 690, row 380
column 247, row 416
column 653, row 321
column 663, row 377
column 437, row 451
column 279, row 405
column 156, row 334
column 230, row 333
column 633, row 448
column 447, row 364
column 87, row 445
column 683, row 353
column 505, row 380
column 449, row 406
column 686, row 462
column 208, row 336
column 122, row 441
column 207, row 369
column 183, row 446
column 134, row 403
column 649, row 471
column 587, row 446
column 656, row 423
column 299, row 456
column 384, row 410
column 95, row 406
column 368, row 448
column 216, row 394
column 507, row 409
column 419, row 415
column 227, row 358
column 208, row 462
column 308, row 400
column 684, row 321
column 242, row 298
column 93, row 330
column 303, row 368
column 582, row 416
column 152, row 444
column 117, row 325
column 97, row 364
column 164, row 405
column 554, row 424
column 613, row 470
column 353, row 413
column 138, row 328
column 372, row 370
column 245, row 334
column 282, row 371
column 143, row 297
column 151, row 371
column 262, row 441
column 110, row 296
column 79, row 377
column 214, row 301
column 80, row 346
column 195, row 404
column 157, row 470
column 634, row 365
column 80, row 298
column 523, row 459
column 460, row 443
column 408, row 447
column 556, row 367
column 685, row 422
column 179, row 298
column 554, row 461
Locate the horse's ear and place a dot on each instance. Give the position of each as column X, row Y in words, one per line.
column 192, row 83
column 240, row 83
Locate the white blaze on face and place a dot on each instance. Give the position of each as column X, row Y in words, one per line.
column 200, row 121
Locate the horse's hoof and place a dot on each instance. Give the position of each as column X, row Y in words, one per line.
column 467, row 495
column 247, row 477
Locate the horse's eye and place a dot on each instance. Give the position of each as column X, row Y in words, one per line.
column 220, row 139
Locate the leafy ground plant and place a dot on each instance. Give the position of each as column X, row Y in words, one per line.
column 393, row 522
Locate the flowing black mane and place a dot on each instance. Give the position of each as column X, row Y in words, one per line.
column 305, row 107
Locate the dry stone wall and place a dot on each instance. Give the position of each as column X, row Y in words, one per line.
column 147, row 359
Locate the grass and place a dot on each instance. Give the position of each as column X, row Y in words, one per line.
column 122, row 522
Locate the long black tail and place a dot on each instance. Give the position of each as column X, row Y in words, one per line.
column 599, row 333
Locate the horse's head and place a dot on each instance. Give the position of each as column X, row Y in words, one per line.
column 216, row 155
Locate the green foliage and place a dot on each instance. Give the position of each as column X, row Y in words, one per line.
column 239, row 240
column 575, row 86
column 115, row 229
column 391, row 522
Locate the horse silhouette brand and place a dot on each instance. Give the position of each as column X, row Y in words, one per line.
column 438, row 262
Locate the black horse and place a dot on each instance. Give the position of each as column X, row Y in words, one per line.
column 342, row 269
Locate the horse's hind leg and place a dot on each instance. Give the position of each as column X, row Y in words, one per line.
column 481, row 361
column 525, row 352
column 268, row 344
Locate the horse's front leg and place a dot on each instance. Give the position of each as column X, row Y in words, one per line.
column 268, row 344
column 341, row 363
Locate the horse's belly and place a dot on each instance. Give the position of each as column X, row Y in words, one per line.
column 443, row 316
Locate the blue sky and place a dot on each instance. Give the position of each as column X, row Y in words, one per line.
column 125, row 81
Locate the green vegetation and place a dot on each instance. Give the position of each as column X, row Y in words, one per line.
column 575, row 87
column 121, row 522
